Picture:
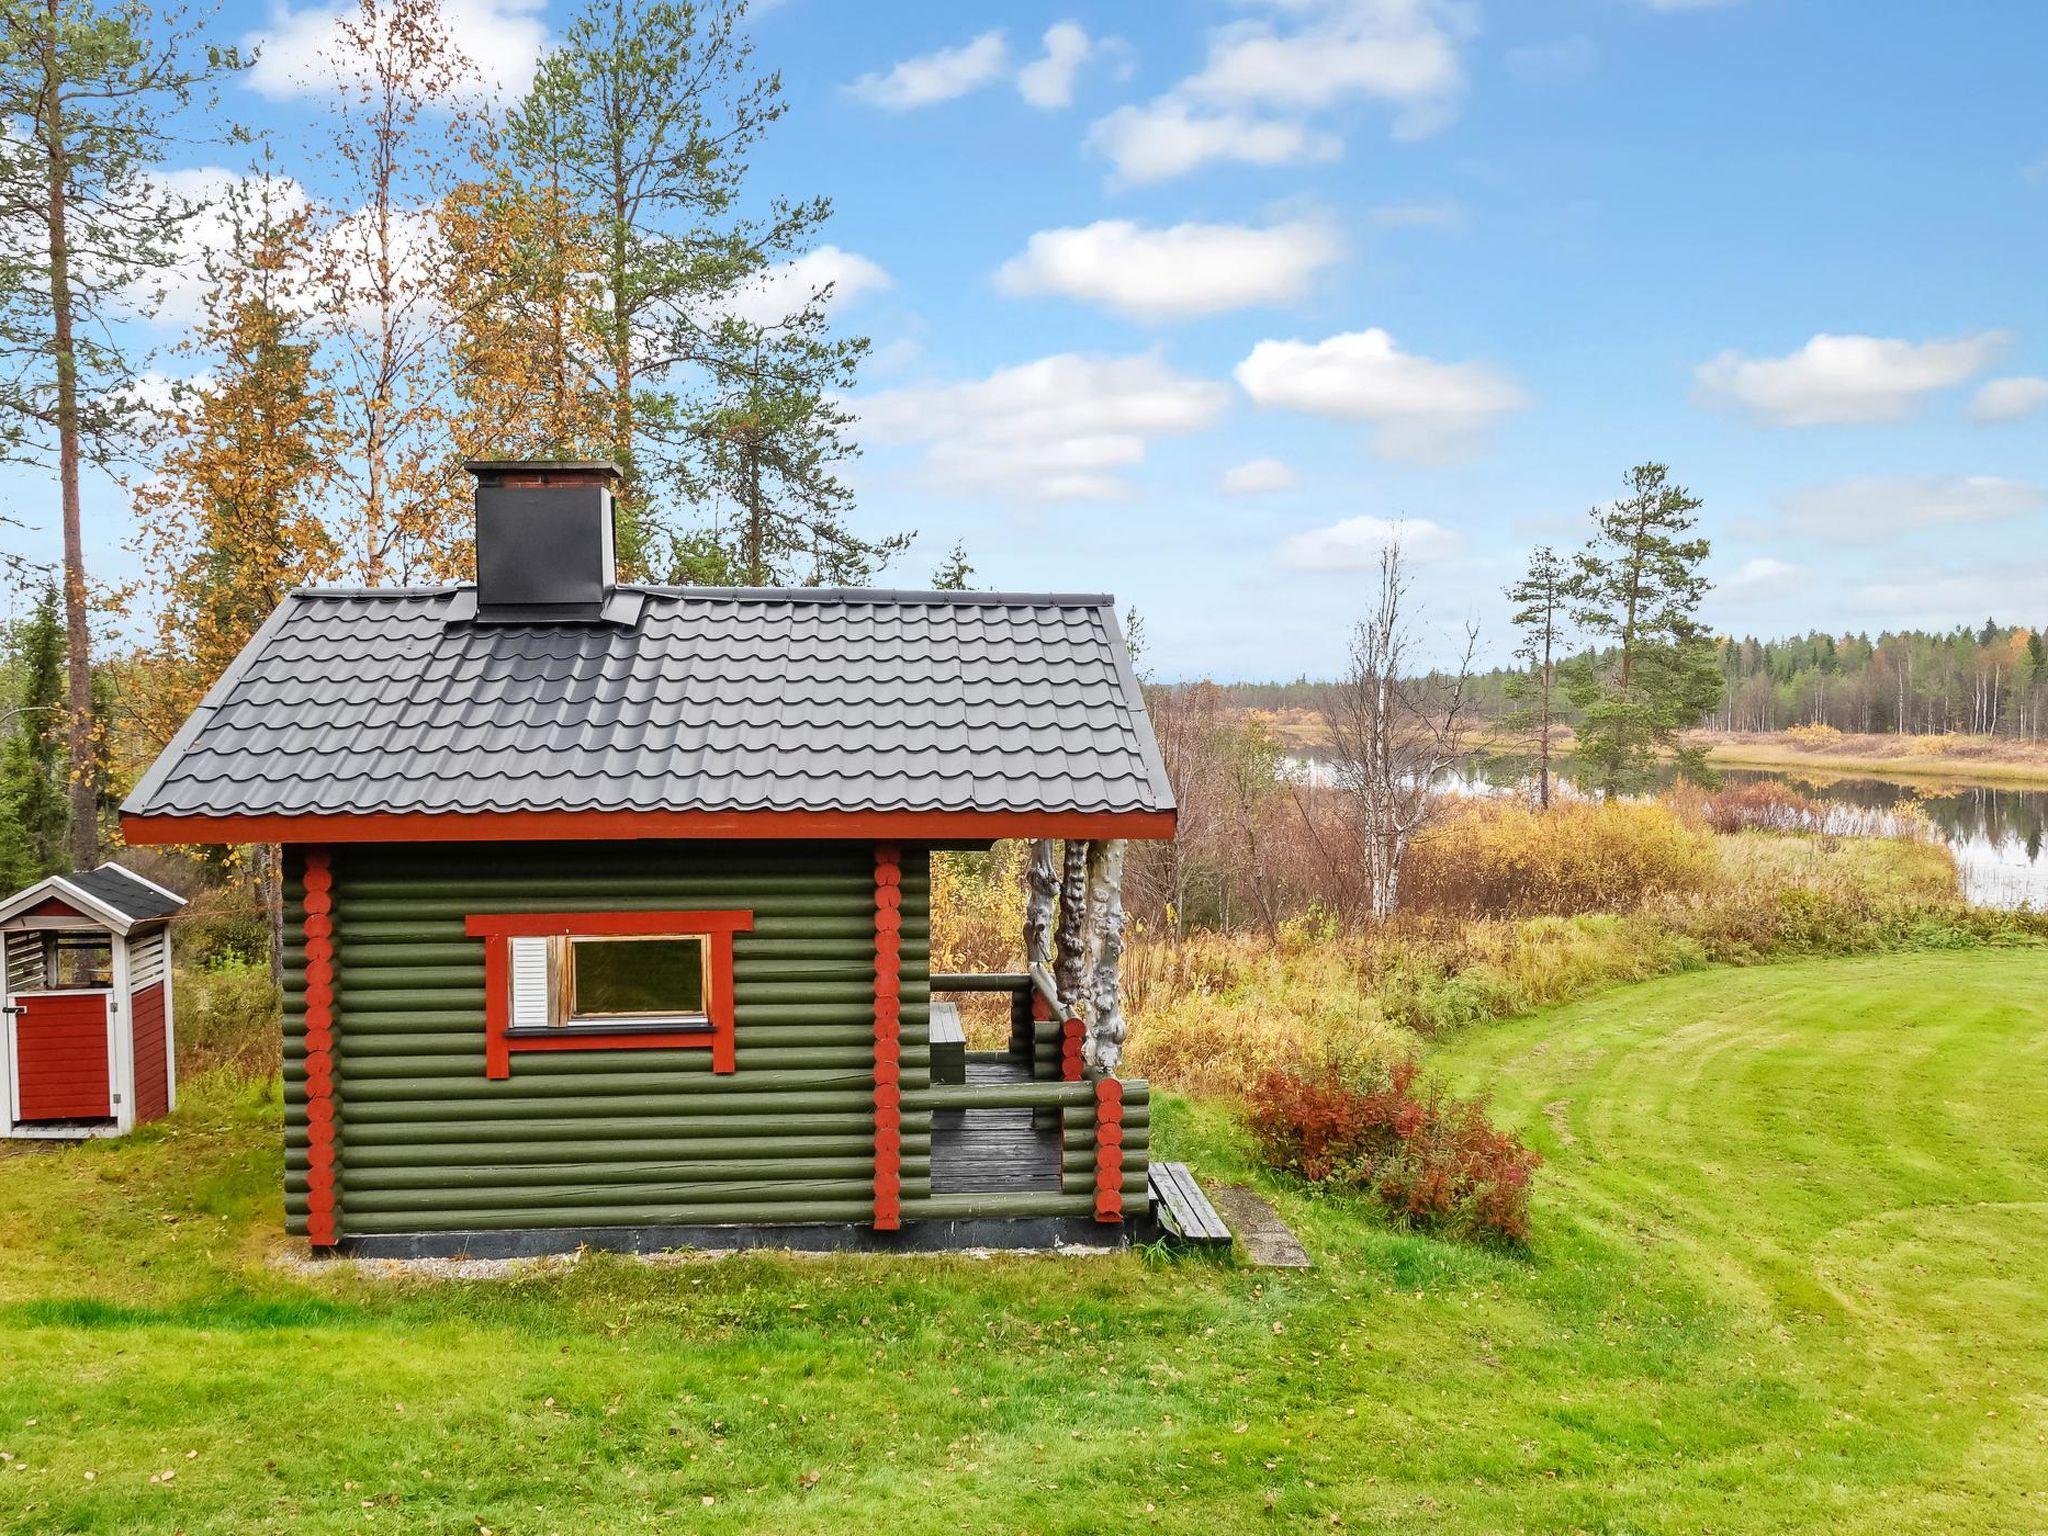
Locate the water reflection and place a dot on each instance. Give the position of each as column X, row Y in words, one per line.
column 1997, row 834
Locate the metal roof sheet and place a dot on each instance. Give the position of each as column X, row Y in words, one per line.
column 715, row 699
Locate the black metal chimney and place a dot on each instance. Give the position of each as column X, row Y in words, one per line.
column 543, row 541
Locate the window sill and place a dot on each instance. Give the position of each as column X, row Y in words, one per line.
column 691, row 1026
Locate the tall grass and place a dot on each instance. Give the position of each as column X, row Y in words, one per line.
column 1513, row 910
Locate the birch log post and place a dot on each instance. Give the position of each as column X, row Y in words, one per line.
column 1070, row 973
column 1103, row 1048
column 1042, row 890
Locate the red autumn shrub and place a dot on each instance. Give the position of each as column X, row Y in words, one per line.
column 1432, row 1160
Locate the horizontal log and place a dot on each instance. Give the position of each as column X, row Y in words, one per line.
column 567, row 1203
column 761, row 1213
column 373, row 1067
column 514, row 1181
column 1000, row 1095
column 615, row 1110
column 501, row 1138
column 694, row 1151
column 1005, row 1205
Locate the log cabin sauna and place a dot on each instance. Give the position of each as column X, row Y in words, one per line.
column 608, row 906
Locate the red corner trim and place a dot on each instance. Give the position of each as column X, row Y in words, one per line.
column 322, row 1215
column 1070, row 1050
column 888, row 1038
column 542, row 826
column 1109, row 1149
column 496, row 928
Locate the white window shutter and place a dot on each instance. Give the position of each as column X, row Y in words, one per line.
column 529, row 983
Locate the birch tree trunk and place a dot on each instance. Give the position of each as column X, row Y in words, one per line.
column 1102, row 1049
column 1070, row 972
column 1043, row 883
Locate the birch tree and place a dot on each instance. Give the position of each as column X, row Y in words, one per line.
column 400, row 143
column 92, row 99
column 1394, row 733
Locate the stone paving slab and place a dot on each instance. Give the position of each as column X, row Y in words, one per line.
column 1266, row 1239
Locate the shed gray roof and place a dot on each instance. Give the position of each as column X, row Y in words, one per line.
column 710, row 699
column 128, row 894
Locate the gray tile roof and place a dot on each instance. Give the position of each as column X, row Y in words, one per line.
column 128, row 894
column 713, row 699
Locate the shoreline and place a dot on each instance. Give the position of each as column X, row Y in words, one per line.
column 1786, row 757
column 2020, row 767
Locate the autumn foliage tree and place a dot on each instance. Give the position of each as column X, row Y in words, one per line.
column 230, row 522
column 525, row 265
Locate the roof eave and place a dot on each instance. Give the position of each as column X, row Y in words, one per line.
column 564, row 826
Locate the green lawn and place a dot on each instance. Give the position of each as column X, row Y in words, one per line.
column 1791, row 1273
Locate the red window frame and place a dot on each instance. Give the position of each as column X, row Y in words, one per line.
column 498, row 928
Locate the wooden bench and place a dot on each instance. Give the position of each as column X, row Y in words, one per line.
column 1183, row 1209
column 949, row 1044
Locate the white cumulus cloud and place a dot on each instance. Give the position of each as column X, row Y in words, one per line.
column 1874, row 508
column 1048, row 80
column 1172, row 273
column 1834, row 380
column 2003, row 400
column 1355, row 544
column 1259, row 477
column 501, row 38
column 934, row 77
column 1062, row 428
column 1421, row 410
column 780, row 290
column 1264, row 80
column 1168, row 138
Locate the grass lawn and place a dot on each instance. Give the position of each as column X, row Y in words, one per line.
column 1791, row 1273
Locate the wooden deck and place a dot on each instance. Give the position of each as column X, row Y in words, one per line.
column 985, row 1151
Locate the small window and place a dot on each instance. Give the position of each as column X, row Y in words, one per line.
column 631, row 979
column 84, row 962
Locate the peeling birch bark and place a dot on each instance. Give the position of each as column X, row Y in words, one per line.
column 1102, row 1050
column 1070, row 973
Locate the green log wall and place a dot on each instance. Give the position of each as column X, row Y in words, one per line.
column 427, row 1143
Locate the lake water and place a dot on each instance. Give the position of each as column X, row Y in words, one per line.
column 1999, row 835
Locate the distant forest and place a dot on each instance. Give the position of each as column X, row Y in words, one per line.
column 1991, row 681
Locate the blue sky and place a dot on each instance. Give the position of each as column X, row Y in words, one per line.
column 1190, row 300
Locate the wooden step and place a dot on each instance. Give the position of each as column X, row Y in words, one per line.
column 1183, row 1208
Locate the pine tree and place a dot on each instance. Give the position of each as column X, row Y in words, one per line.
column 663, row 105
column 1541, row 599
column 92, row 96
column 34, row 815
column 773, row 440
column 1638, row 585
column 954, row 572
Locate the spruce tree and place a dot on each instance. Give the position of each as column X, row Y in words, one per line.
column 33, row 811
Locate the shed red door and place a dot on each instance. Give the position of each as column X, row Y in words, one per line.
column 60, row 1055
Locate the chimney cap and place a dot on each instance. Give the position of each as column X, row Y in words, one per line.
column 572, row 470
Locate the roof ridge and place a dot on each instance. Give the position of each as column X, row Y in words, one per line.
column 906, row 595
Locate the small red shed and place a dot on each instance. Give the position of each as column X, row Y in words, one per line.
column 86, row 1047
